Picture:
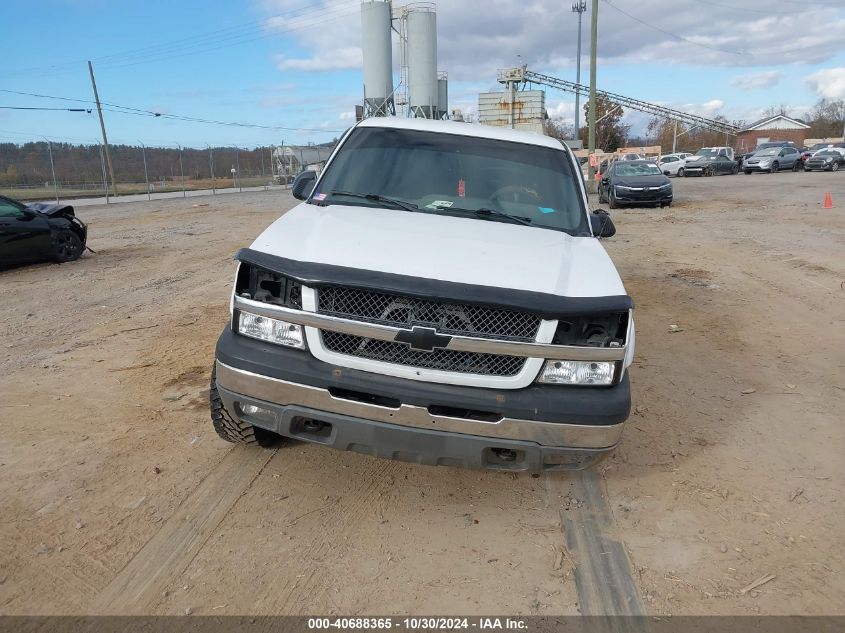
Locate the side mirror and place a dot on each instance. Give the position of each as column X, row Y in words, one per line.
column 303, row 184
column 604, row 181
column 601, row 224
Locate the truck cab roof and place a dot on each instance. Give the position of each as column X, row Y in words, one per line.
column 463, row 129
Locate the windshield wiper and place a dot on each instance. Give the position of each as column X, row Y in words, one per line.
column 485, row 213
column 375, row 197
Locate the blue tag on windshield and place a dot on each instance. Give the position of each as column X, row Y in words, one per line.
column 546, row 210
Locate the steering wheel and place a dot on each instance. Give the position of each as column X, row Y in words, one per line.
column 516, row 193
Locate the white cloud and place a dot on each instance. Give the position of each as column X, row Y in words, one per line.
column 345, row 116
column 472, row 43
column 757, row 80
column 828, row 83
column 562, row 110
column 712, row 106
column 335, row 59
column 475, row 38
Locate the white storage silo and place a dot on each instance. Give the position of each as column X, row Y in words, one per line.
column 378, row 58
column 442, row 95
column 421, row 25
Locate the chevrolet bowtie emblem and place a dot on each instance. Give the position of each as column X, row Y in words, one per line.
column 422, row 339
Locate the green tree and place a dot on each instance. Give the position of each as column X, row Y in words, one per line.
column 611, row 133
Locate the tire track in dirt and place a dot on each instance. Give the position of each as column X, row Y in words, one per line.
column 603, row 577
column 365, row 499
column 174, row 546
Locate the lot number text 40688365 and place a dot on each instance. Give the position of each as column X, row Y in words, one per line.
column 418, row 624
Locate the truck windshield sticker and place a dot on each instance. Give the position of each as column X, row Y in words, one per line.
column 461, row 188
column 439, row 204
column 546, row 210
column 319, row 196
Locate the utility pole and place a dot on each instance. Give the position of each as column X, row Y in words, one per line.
column 578, row 7
column 594, row 36
column 146, row 173
column 52, row 168
column 211, row 169
column 675, row 138
column 103, row 128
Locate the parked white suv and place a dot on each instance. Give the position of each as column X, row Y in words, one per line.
column 440, row 296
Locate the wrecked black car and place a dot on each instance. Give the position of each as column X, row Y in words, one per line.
column 39, row 231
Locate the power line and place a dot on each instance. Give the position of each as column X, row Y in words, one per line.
column 300, row 18
column 121, row 109
column 161, row 47
column 190, row 119
column 669, row 33
column 88, row 110
column 34, row 94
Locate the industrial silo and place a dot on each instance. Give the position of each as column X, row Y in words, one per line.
column 442, row 94
column 421, row 27
column 378, row 58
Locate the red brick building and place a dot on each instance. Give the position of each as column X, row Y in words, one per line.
column 774, row 128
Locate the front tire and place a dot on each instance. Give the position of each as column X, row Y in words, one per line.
column 67, row 246
column 681, row 172
column 747, row 172
column 775, row 168
column 834, row 167
column 230, row 429
column 612, row 201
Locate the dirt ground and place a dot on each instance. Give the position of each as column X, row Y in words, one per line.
column 118, row 496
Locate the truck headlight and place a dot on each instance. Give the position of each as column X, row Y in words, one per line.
column 577, row 372
column 764, row 163
column 271, row 330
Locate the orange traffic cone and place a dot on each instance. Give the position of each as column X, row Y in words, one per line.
column 828, row 201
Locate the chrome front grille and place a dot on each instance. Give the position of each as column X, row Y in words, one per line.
column 447, row 318
column 441, row 359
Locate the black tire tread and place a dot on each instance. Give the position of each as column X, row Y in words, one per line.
column 55, row 246
column 230, row 429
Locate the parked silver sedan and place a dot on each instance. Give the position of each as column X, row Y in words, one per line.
column 772, row 160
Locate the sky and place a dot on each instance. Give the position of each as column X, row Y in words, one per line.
column 291, row 69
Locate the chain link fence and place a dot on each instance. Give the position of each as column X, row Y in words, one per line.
column 46, row 170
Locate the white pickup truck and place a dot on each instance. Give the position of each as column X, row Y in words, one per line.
column 440, row 296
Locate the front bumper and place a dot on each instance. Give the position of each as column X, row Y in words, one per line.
column 695, row 170
column 756, row 167
column 812, row 166
column 539, row 428
column 647, row 197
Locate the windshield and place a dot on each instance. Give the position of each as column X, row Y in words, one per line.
column 451, row 174
column 768, row 152
column 637, row 169
column 708, row 153
column 827, row 152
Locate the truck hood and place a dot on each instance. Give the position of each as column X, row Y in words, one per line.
column 462, row 250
